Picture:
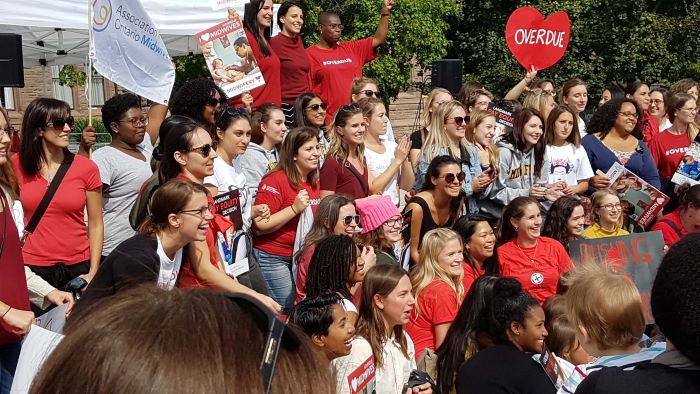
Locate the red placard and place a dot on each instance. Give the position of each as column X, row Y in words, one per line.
column 536, row 41
column 362, row 380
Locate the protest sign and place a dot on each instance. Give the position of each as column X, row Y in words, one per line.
column 220, row 4
column 229, row 205
column 638, row 255
column 53, row 320
column 689, row 168
column 229, row 57
column 36, row 348
column 535, row 41
column 362, row 380
column 640, row 200
column 503, row 118
column 128, row 50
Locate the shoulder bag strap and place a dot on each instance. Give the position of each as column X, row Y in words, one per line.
column 673, row 226
column 46, row 200
column 357, row 175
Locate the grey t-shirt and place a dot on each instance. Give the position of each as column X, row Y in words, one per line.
column 124, row 175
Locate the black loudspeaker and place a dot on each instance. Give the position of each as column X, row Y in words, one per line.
column 447, row 74
column 11, row 64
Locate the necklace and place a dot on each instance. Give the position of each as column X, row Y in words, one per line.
column 534, row 254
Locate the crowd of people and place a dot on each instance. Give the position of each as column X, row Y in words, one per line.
column 212, row 217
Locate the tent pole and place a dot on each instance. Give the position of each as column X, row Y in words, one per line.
column 89, row 69
column 43, row 80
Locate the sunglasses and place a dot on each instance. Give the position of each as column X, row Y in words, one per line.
column 350, row 219
column 203, row 150
column 214, row 102
column 449, row 177
column 60, row 123
column 349, row 108
column 276, row 334
column 315, row 107
column 371, row 93
column 459, row 120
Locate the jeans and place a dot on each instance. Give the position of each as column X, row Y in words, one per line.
column 277, row 271
column 9, row 355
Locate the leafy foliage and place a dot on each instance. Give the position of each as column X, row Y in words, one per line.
column 611, row 41
column 69, row 76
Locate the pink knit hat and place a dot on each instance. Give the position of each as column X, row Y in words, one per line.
column 374, row 211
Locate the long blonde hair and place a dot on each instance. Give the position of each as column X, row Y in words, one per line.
column 475, row 119
column 428, row 269
column 437, row 136
column 537, row 99
column 426, row 115
column 339, row 149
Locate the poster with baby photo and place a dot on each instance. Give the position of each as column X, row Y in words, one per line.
column 229, row 57
column 689, row 168
column 641, row 201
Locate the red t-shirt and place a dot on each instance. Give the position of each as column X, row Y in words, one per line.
column 671, row 236
column 471, row 274
column 668, row 149
column 278, row 194
column 650, row 127
column 61, row 235
column 187, row 278
column 341, row 180
column 295, row 66
column 332, row 70
column 270, row 69
column 539, row 279
column 438, row 305
column 303, row 272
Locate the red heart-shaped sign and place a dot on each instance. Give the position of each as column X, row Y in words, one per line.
column 535, row 41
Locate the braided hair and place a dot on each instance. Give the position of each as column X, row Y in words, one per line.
column 332, row 266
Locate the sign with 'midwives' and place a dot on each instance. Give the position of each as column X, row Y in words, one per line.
column 128, row 50
column 535, row 41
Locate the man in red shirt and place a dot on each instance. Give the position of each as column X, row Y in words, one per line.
column 334, row 65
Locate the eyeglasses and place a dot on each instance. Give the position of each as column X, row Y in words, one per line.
column 60, row 123
column 136, row 122
column 395, row 221
column 276, row 335
column 370, row 93
column 204, row 150
column 611, row 207
column 449, row 177
column 316, row 107
column 334, row 26
column 350, row 219
column 201, row 212
column 213, row 102
column 9, row 131
column 657, row 101
column 459, row 120
column 632, row 115
column 690, row 110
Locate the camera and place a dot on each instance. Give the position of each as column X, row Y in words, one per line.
column 418, row 378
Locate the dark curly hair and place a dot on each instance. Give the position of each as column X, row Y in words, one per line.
column 556, row 223
column 333, row 260
column 114, row 108
column 192, row 97
column 604, row 118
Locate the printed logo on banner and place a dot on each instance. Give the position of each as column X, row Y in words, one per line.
column 536, row 41
column 102, row 14
column 362, row 380
column 230, row 58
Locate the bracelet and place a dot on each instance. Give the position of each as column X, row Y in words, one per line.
column 9, row 308
column 295, row 212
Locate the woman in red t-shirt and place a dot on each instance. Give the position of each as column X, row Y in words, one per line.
column 535, row 261
column 257, row 24
column 288, row 190
column 58, row 249
column 438, row 288
column 189, row 154
column 479, row 244
column 685, row 219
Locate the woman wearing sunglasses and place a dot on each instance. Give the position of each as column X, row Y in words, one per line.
column 335, row 214
column 436, row 98
column 189, row 155
column 381, row 227
column 180, row 214
column 310, row 111
column 438, row 287
column 363, row 87
column 438, row 204
column 522, row 169
column 607, row 216
column 386, row 160
column 58, row 249
column 263, row 152
column 288, row 190
column 198, row 99
column 446, row 136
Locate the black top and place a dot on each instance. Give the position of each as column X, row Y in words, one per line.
column 417, row 138
column 428, row 222
column 650, row 378
column 502, row 369
column 131, row 263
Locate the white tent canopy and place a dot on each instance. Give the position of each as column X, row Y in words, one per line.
column 55, row 31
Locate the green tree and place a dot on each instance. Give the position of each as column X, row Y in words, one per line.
column 653, row 40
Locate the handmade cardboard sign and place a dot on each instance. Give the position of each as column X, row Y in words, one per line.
column 536, row 41
column 638, row 255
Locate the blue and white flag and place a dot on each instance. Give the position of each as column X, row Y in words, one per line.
column 128, row 50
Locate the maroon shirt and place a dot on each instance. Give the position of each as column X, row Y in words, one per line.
column 340, row 179
column 294, row 64
column 13, row 283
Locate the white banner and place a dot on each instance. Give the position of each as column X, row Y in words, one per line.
column 128, row 50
